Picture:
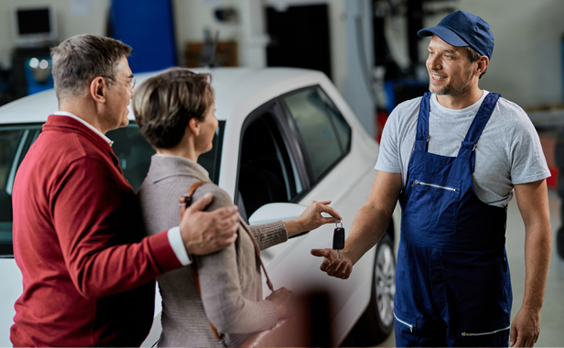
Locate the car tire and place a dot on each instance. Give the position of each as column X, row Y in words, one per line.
column 377, row 322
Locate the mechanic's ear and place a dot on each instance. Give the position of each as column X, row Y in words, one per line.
column 98, row 89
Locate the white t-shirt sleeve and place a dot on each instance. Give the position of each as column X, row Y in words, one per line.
column 389, row 159
column 528, row 162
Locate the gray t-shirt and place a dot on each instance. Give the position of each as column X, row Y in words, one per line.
column 508, row 151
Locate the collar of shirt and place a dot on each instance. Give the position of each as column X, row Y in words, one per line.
column 65, row 113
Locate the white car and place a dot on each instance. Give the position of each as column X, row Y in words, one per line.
column 285, row 137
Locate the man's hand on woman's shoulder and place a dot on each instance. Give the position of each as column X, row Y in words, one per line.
column 207, row 232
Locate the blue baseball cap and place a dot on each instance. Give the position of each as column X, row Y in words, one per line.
column 461, row 29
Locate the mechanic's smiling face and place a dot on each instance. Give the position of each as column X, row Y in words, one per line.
column 450, row 71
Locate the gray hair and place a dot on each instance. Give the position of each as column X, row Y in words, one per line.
column 473, row 56
column 78, row 59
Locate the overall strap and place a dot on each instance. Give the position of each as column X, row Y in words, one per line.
column 477, row 127
column 481, row 118
column 422, row 135
column 184, row 201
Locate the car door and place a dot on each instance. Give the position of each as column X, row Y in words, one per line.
column 289, row 148
column 270, row 163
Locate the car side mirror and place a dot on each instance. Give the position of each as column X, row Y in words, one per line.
column 275, row 212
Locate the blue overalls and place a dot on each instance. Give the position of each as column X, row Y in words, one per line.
column 452, row 277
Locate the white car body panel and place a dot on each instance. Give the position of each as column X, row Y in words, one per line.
column 239, row 92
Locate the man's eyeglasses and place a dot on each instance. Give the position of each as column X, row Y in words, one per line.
column 132, row 81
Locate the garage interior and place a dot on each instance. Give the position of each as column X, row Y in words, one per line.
column 368, row 48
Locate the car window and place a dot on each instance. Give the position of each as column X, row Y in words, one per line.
column 267, row 171
column 131, row 148
column 14, row 143
column 324, row 132
column 341, row 126
column 134, row 153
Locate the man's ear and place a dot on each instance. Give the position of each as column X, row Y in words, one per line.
column 194, row 126
column 98, row 89
column 483, row 63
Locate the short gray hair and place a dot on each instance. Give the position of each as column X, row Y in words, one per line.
column 473, row 56
column 78, row 59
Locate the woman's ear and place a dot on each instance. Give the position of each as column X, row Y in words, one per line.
column 194, row 126
column 98, row 89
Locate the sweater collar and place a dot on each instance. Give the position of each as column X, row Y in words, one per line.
column 68, row 114
column 163, row 166
column 69, row 124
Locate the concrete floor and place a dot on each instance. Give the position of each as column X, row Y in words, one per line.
column 552, row 314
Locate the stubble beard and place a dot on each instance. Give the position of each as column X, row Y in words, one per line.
column 450, row 89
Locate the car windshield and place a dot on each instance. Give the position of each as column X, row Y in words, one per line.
column 131, row 148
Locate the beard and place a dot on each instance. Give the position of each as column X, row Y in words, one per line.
column 453, row 89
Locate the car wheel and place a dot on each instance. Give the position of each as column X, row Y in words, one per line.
column 377, row 322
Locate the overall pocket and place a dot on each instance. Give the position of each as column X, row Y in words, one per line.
column 495, row 335
column 405, row 322
column 433, row 205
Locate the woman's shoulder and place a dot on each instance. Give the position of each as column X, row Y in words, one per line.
column 220, row 197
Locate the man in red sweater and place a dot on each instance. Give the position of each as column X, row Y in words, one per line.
column 88, row 269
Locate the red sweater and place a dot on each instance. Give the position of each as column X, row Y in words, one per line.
column 88, row 273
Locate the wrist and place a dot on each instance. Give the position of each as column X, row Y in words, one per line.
column 531, row 307
column 349, row 255
column 293, row 227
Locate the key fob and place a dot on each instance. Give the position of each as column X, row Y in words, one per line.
column 339, row 238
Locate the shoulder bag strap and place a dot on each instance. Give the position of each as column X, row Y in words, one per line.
column 185, row 201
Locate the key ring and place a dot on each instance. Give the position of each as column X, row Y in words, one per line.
column 337, row 224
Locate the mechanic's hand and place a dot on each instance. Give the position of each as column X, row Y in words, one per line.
column 525, row 328
column 311, row 218
column 338, row 268
column 282, row 298
column 207, row 232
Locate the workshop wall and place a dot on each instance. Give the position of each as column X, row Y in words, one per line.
column 73, row 17
column 526, row 65
column 192, row 17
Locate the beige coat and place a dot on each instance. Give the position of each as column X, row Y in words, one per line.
column 230, row 279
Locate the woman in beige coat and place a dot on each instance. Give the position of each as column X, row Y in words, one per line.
column 175, row 112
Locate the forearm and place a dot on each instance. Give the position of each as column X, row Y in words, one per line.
column 267, row 235
column 367, row 229
column 532, row 200
column 292, row 227
column 537, row 259
column 99, row 271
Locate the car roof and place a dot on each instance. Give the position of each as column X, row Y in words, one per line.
column 232, row 87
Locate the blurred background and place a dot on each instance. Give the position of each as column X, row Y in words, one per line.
column 368, row 48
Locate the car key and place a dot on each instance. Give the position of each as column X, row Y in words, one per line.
column 339, row 239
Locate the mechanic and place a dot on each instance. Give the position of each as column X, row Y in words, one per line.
column 88, row 272
column 454, row 158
